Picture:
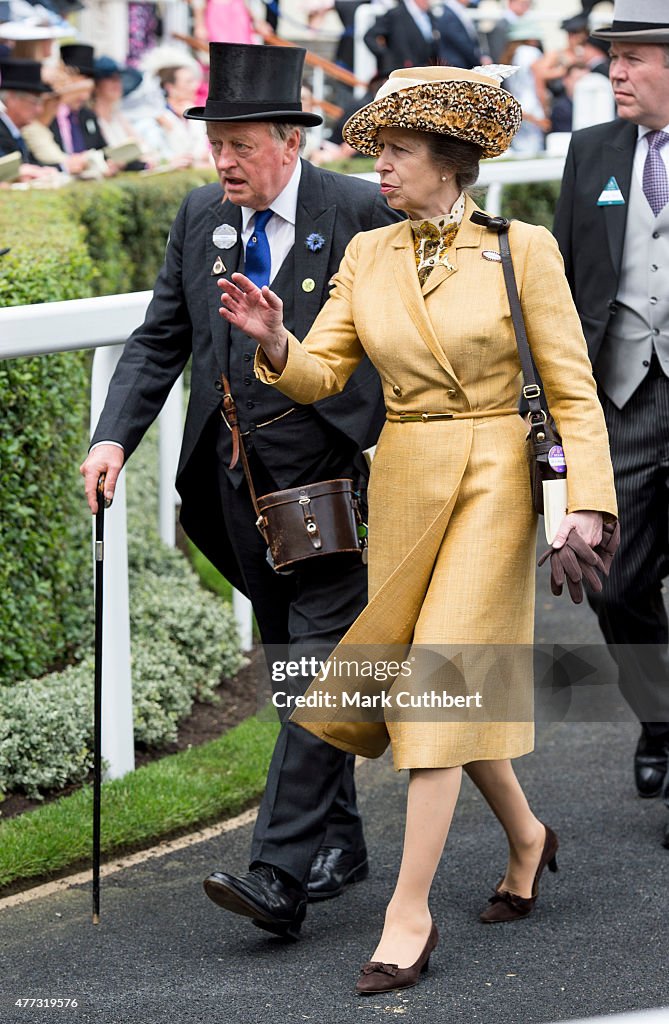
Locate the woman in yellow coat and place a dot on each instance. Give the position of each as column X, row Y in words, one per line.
column 452, row 528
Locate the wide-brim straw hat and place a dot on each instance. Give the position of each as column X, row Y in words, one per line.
column 468, row 105
column 635, row 22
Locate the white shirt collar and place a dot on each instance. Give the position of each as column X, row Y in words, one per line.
column 285, row 204
column 642, row 131
column 4, row 116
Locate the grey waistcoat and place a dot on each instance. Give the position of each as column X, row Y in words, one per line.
column 640, row 323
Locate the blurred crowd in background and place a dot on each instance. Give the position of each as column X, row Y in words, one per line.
column 68, row 111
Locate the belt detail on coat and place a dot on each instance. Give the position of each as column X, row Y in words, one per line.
column 424, row 417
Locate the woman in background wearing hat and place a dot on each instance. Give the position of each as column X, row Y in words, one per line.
column 112, row 83
column 452, row 528
column 528, row 85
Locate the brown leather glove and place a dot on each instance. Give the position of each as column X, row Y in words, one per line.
column 609, row 544
column 574, row 563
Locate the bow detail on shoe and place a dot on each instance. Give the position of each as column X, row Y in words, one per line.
column 376, row 967
column 518, row 902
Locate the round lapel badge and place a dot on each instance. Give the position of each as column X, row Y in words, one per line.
column 308, row 284
column 556, row 459
column 224, row 236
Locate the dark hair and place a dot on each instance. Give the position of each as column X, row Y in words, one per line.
column 455, row 155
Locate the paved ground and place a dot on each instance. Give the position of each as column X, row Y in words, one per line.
column 595, row 945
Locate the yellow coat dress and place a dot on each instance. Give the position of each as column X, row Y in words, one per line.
column 451, row 524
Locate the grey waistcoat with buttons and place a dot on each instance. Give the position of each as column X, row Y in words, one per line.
column 641, row 321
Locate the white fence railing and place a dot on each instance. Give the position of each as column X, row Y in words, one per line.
column 103, row 324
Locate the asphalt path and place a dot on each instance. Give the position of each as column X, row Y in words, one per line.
column 596, row 943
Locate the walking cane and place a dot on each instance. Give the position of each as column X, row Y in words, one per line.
column 97, row 694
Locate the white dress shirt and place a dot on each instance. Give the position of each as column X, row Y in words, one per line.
column 280, row 228
column 641, row 152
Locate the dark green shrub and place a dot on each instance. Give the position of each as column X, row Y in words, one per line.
column 44, row 535
column 533, row 202
column 89, row 238
column 126, row 223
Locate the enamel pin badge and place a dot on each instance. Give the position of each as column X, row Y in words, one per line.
column 611, row 194
column 224, row 236
column 218, row 267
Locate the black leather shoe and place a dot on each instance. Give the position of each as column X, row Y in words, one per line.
column 333, row 869
column 265, row 895
column 651, row 761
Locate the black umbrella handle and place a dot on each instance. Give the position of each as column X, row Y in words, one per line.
column 97, row 695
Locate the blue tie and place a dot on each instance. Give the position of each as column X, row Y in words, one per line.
column 258, row 256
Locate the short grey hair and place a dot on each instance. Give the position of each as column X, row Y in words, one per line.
column 281, row 130
column 665, row 47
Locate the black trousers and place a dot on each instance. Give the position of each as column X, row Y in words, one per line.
column 630, row 608
column 309, row 797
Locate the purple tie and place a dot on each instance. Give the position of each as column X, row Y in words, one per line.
column 655, row 184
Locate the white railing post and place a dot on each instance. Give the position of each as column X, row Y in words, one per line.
column 243, row 611
column 171, row 430
column 493, row 198
column 118, row 749
column 318, row 94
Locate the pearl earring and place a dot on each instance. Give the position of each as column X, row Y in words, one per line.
column 443, row 177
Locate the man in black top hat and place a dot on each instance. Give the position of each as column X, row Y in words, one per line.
column 297, row 221
column 81, row 130
column 21, row 92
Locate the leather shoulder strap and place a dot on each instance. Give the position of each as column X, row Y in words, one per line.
column 531, row 388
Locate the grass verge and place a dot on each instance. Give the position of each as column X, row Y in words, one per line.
column 209, row 575
column 166, row 797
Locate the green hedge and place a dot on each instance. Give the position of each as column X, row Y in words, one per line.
column 87, row 239
column 44, row 556
column 183, row 639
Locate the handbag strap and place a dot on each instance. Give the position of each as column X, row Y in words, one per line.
column 531, row 387
column 229, row 414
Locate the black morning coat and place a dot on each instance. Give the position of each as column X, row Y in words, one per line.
column 592, row 237
column 183, row 320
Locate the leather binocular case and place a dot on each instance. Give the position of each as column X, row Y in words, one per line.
column 313, row 521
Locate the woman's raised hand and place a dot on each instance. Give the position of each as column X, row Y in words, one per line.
column 258, row 313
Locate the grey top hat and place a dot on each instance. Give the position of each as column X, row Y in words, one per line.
column 635, row 22
column 254, row 83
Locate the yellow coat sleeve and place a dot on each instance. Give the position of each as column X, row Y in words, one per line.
column 560, row 353
column 331, row 351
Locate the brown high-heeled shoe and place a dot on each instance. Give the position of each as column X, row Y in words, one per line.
column 378, row 977
column 507, row 906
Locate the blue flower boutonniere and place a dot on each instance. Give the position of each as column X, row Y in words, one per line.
column 314, row 241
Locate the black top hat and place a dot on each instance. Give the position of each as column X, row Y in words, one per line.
column 80, row 57
column 22, row 75
column 254, row 83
